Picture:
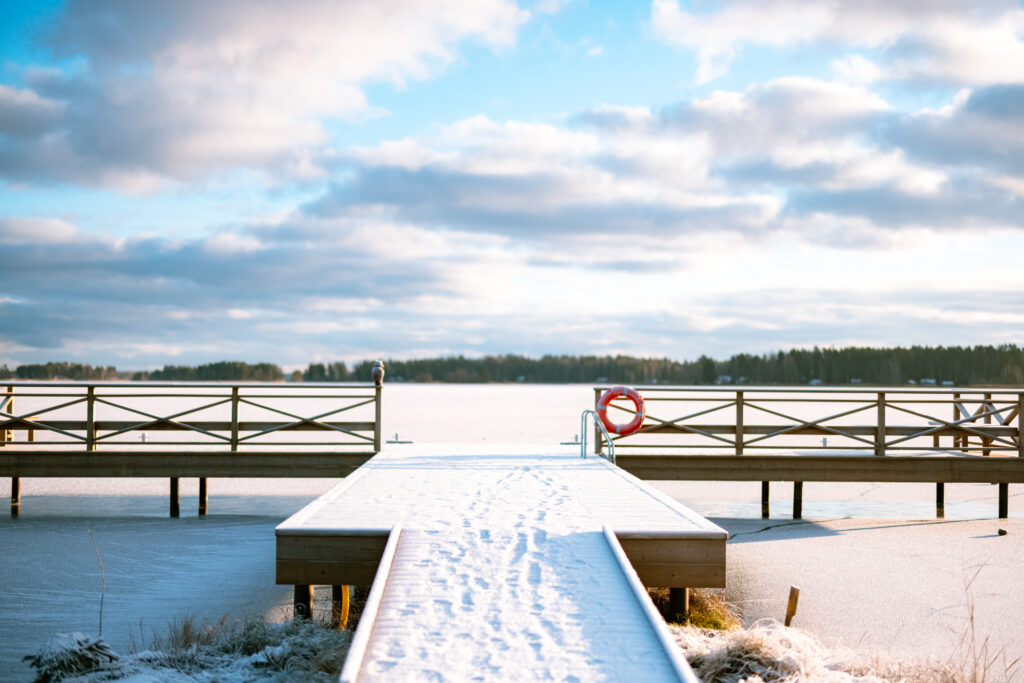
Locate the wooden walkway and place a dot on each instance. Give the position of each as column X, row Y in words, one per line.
column 502, row 562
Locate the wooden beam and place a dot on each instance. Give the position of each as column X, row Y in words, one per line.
column 792, row 467
column 110, row 463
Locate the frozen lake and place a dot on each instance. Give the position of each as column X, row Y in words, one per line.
column 159, row 569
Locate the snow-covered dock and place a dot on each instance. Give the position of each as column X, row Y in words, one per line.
column 509, row 562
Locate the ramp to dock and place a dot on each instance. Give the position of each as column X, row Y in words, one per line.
column 503, row 563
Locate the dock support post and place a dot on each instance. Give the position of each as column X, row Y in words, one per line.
column 175, row 499
column 940, row 500
column 679, row 602
column 798, row 500
column 303, row 602
column 765, row 491
column 1004, row 500
column 15, row 496
column 203, row 498
column 339, row 607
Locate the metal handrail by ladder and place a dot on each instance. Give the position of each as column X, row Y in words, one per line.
column 607, row 438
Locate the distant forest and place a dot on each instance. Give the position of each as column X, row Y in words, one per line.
column 962, row 366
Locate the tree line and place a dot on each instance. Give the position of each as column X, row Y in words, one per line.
column 962, row 366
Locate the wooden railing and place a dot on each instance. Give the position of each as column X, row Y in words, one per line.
column 826, row 434
column 186, row 429
column 739, row 420
column 200, row 416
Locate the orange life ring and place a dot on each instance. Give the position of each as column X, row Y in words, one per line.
column 621, row 392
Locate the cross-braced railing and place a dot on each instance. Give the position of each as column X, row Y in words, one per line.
column 739, row 420
column 198, row 416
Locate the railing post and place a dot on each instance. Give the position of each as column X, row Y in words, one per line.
column 1020, row 425
column 598, row 446
column 880, row 425
column 956, row 416
column 234, row 419
column 378, row 385
column 90, row 418
column 377, row 390
column 988, row 407
column 739, row 423
column 8, row 434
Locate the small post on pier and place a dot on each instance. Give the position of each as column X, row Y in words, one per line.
column 988, row 406
column 15, row 496
column 175, row 499
column 378, row 385
column 679, row 603
column 7, row 406
column 940, row 500
column 1004, row 500
column 303, row 602
column 765, row 490
column 739, row 423
column 1020, row 425
column 798, row 500
column 339, row 607
column 90, row 418
column 203, row 498
column 880, row 425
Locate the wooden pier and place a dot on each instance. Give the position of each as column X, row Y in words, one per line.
column 513, row 562
column 782, row 434
column 797, row 434
column 186, row 429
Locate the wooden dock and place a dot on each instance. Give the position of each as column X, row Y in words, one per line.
column 505, row 562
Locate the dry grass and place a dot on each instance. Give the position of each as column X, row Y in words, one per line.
column 708, row 609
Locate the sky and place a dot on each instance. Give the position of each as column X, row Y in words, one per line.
column 319, row 181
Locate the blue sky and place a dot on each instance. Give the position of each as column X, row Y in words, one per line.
column 317, row 181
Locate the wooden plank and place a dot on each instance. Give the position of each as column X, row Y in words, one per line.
column 680, row 576
column 325, row 573
column 866, row 468
column 331, row 548
column 673, row 551
column 827, row 429
column 180, row 425
column 38, row 463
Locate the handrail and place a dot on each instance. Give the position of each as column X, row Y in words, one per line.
column 891, row 419
column 607, row 438
column 97, row 414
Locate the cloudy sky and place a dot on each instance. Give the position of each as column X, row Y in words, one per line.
column 183, row 182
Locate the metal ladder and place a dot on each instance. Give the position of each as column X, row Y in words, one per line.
column 610, row 457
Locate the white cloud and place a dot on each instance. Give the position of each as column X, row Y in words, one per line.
column 224, row 243
column 960, row 41
column 180, row 90
column 857, row 69
column 37, row 231
column 595, row 51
